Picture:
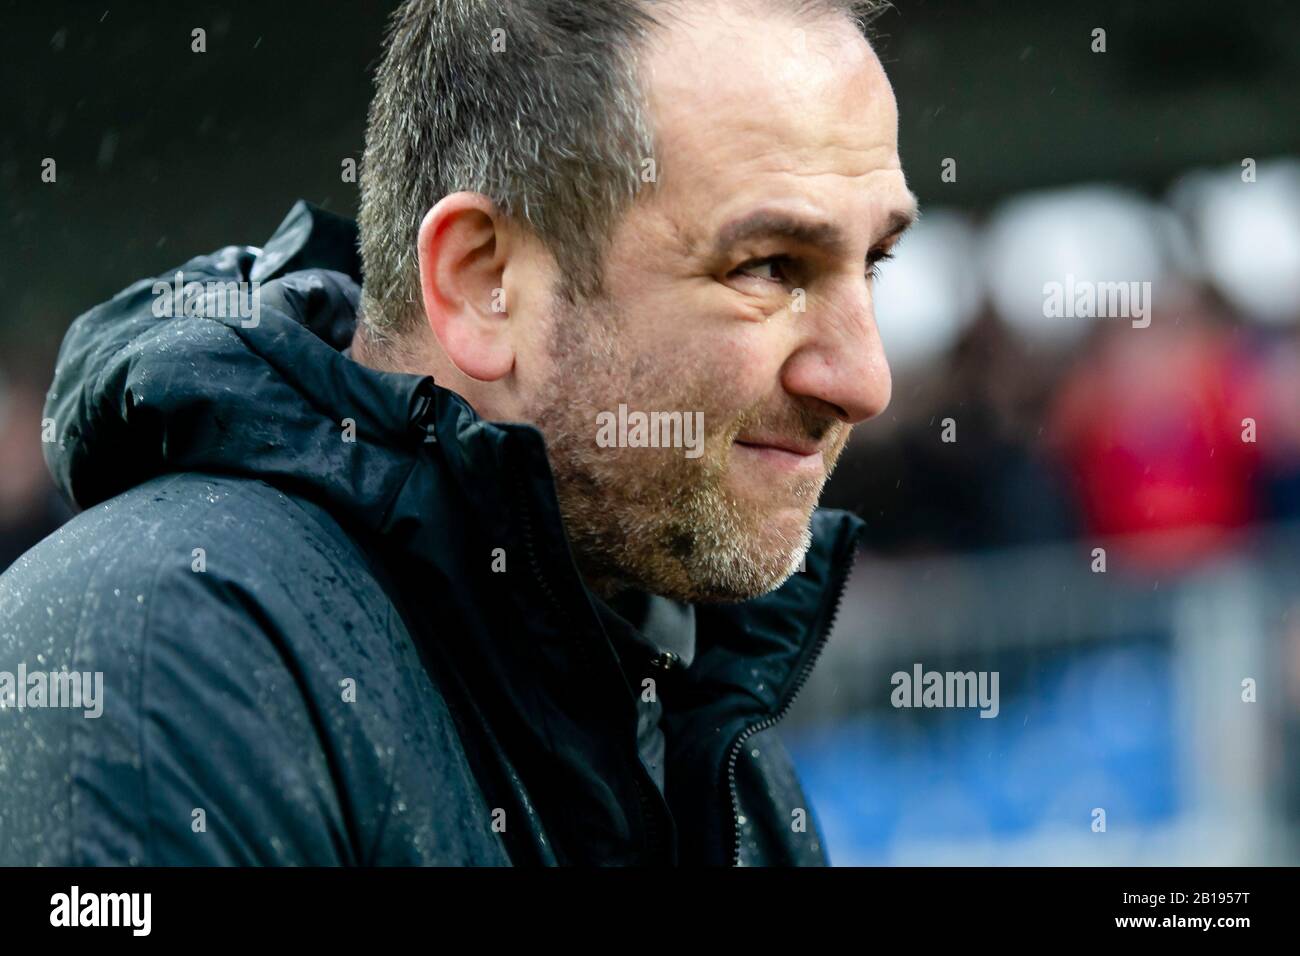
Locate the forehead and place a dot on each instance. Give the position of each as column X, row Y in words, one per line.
column 750, row 104
column 754, row 108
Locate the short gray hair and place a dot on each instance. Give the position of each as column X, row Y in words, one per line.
column 536, row 104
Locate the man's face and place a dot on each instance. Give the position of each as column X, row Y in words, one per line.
column 739, row 290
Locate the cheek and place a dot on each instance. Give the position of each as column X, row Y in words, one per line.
column 682, row 349
column 746, row 359
column 725, row 377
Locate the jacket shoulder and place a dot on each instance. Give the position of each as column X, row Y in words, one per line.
column 256, row 686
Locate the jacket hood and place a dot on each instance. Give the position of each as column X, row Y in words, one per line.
column 237, row 363
column 153, row 382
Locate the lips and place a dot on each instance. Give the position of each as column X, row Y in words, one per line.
column 778, row 455
column 777, row 443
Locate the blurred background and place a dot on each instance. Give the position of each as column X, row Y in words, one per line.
column 1025, row 450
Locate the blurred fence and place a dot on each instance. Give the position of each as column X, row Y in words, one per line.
column 1123, row 692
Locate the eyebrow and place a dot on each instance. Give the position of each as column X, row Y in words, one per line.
column 769, row 223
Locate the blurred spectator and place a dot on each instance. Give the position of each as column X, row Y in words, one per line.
column 988, row 486
column 1273, row 397
column 1153, row 425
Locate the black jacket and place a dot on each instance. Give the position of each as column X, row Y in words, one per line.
column 310, row 651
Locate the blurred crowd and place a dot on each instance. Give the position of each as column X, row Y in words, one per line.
column 1189, row 428
column 1012, row 427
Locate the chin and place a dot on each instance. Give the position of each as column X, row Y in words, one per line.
column 782, row 531
column 735, row 592
column 754, row 569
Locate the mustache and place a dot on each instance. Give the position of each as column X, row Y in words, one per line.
column 797, row 422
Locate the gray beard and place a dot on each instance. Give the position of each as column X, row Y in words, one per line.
column 648, row 518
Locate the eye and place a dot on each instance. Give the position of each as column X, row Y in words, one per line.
column 873, row 262
column 770, row 269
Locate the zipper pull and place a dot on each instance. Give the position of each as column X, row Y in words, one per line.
column 665, row 661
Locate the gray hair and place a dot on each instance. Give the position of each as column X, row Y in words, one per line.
column 536, row 104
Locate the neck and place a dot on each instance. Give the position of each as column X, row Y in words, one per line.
column 365, row 350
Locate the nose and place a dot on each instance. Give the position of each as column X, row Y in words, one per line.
column 841, row 361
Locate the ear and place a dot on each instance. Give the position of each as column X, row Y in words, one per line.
column 461, row 248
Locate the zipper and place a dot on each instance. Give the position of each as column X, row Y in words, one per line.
column 423, row 400
column 839, row 581
column 655, row 843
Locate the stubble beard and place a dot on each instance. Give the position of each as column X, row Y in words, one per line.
column 651, row 518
